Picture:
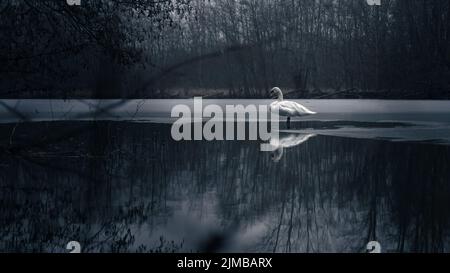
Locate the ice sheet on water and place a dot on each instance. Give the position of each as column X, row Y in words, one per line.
column 417, row 120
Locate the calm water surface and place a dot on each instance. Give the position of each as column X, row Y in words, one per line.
column 349, row 175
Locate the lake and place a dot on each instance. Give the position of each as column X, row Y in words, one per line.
column 109, row 175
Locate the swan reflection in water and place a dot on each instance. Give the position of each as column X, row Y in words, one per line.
column 287, row 140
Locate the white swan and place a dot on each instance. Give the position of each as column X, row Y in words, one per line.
column 287, row 108
column 287, row 141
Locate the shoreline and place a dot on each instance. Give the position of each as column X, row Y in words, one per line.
column 211, row 93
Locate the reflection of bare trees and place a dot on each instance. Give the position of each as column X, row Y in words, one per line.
column 114, row 187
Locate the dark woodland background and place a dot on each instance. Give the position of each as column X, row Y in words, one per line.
column 225, row 48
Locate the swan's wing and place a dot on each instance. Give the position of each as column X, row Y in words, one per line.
column 290, row 108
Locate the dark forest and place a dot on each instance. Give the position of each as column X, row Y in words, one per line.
column 225, row 48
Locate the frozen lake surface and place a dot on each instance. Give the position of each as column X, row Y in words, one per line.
column 394, row 120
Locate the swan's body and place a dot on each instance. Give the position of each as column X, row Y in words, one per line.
column 287, row 108
column 290, row 109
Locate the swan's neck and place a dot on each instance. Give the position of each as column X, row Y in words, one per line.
column 280, row 97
